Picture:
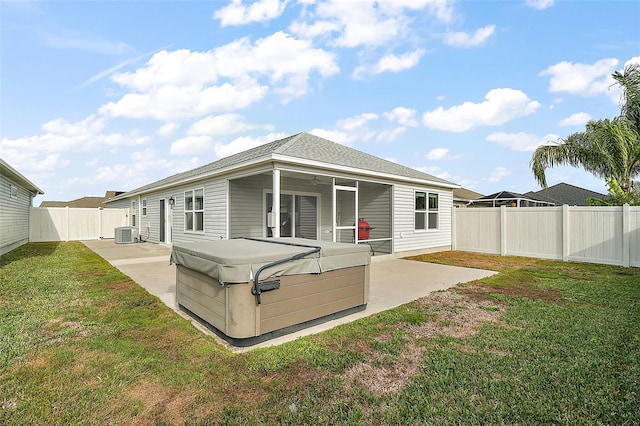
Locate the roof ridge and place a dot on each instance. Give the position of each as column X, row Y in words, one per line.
column 293, row 139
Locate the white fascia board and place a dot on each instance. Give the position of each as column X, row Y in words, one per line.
column 19, row 179
column 354, row 170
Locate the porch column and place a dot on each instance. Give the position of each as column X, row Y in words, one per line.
column 276, row 202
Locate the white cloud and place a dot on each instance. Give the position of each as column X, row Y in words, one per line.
column 236, row 13
column 499, row 107
column 191, row 145
column 167, row 130
column 435, row 171
column 390, row 135
column 577, row 119
column 357, row 122
column 521, row 141
column 61, row 136
column 244, row 143
column 540, row 4
column 402, row 115
column 391, row 63
column 582, row 79
column 315, row 29
column 365, row 22
column 224, row 124
column 498, row 174
column 634, row 60
column 437, row 153
column 145, row 166
column 42, row 156
column 184, row 84
column 349, row 130
column 461, row 39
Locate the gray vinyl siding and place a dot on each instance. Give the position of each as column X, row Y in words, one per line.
column 215, row 208
column 375, row 206
column 246, row 205
column 14, row 216
column 406, row 238
column 247, row 201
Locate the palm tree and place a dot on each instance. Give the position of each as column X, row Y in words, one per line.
column 609, row 149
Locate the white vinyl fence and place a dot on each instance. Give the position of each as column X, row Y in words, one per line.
column 70, row 224
column 608, row 235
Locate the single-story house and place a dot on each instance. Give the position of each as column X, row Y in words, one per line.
column 300, row 186
column 16, row 199
column 564, row 193
column 463, row 197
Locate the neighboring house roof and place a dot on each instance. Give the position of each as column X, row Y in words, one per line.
column 465, row 195
column 84, row 202
column 564, row 193
column 302, row 148
column 506, row 197
column 19, row 179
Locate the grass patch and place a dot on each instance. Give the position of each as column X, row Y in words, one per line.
column 540, row 342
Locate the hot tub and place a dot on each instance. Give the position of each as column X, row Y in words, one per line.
column 299, row 283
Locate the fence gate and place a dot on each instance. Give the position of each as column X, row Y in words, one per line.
column 71, row 224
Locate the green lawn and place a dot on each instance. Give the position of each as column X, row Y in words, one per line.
column 541, row 342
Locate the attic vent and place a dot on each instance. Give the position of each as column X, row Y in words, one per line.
column 125, row 235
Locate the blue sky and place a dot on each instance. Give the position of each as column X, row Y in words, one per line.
column 100, row 96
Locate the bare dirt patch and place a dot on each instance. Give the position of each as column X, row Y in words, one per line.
column 384, row 378
column 457, row 315
column 160, row 403
column 57, row 330
column 520, row 289
column 120, row 286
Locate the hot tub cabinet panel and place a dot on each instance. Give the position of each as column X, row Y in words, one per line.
column 301, row 299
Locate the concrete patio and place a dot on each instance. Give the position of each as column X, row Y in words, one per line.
column 393, row 282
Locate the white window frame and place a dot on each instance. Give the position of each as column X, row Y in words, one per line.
column 427, row 211
column 13, row 191
column 193, row 211
column 143, row 204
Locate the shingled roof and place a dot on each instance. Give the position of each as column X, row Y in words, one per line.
column 84, row 202
column 304, row 147
column 564, row 193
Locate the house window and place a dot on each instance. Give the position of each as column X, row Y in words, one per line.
column 144, row 207
column 194, row 210
column 426, row 211
column 13, row 191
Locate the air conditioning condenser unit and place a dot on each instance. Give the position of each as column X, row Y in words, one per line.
column 125, row 235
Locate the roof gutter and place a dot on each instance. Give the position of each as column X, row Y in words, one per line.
column 19, row 178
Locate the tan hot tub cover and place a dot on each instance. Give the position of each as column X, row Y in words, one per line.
column 237, row 260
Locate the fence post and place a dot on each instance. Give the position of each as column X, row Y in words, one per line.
column 503, row 230
column 453, row 228
column 565, row 232
column 66, row 210
column 626, row 232
column 99, row 223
